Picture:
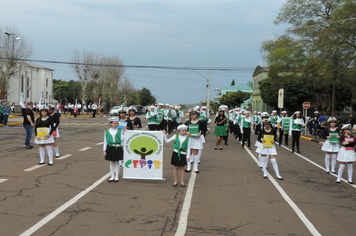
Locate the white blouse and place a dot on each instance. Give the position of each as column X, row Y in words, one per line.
column 112, row 132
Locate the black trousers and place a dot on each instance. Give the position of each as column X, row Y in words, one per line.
column 226, row 138
column 258, row 129
column 170, row 126
column 94, row 112
column 231, row 125
column 162, row 125
column 204, row 128
column 152, row 127
column 281, row 133
column 246, row 136
column 295, row 139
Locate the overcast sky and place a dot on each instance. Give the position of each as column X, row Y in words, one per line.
column 184, row 33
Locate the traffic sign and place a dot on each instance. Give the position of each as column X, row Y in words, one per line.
column 306, row 105
column 281, row 98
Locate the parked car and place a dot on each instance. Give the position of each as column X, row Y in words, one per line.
column 115, row 110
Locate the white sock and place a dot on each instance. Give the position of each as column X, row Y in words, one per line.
column 112, row 169
column 56, row 150
column 189, row 163
column 264, row 164
column 339, row 172
column 42, row 154
column 327, row 162
column 50, row 154
column 196, row 157
column 117, row 170
column 275, row 167
column 199, row 154
column 349, row 171
column 266, row 160
column 260, row 159
column 333, row 162
column 120, row 163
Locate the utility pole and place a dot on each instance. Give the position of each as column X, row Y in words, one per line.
column 208, row 93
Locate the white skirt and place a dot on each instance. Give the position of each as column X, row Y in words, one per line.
column 346, row 155
column 257, row 144
column 45, row 141
column 197, row 143
column 266, row 150
column 57, row 134
column 330, row 147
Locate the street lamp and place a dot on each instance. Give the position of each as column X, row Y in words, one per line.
column 207, row 87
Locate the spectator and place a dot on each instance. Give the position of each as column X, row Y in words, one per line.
column 338, row 120
column 350, row 120
column 28, row 124
column 13, row 108
column 315, row 122
column 6, row 113
column 322, row 118
column 1, row 112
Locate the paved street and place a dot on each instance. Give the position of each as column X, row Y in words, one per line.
column 229, row 197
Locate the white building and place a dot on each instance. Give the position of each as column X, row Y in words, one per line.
column 31, row 80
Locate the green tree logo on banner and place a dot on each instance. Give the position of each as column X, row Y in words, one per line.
column 144, row 146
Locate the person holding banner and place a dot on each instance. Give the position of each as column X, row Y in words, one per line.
column 44, row 129
column 331, row 145
column 152, row 117
column 113, row 152
column 195, row 127
column 136, row 121
column 267, row 148
column 55, row 120
column 295, row 129
column 181, row 151
column 347, row 153
column 123, row 120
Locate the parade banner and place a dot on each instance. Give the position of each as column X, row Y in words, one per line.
column 143, row 155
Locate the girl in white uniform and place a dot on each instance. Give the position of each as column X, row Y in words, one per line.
column 181, row 151
column 45, row 142
column 347, row 153
column 265, row 151
column 295, row 129
column 113, row 152
column 331, row 149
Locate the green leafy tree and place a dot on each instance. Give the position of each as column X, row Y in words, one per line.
column 146, row 97
column 233, row 99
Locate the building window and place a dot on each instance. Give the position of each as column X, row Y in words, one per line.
column 46, row 95
column 21, row 83
column 28, row 87
column 47, row 82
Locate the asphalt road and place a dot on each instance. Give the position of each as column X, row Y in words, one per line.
column 229, row 197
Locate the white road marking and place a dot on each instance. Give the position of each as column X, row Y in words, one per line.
column 94, row 124
column 84, row 149
column 319, row 166
column 64, row 157
column 104, row 124
column 3, row 180
column 63, row 207
column 98, row 144
column 299, row 213
column 34, row 167
column 183, row 219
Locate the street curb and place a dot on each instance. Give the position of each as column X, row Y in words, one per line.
column 12, row 124
column 311, row 139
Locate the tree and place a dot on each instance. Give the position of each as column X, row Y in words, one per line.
column 233, row 82
column 146, row 97
column 14, row 48
column 233, row 99
column 319, row 49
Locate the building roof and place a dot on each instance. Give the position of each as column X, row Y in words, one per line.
column 236, row 87
column 38, row 66
column 260, row 69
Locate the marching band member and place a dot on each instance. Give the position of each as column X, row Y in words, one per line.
column 346, row 153
column 122, row 117
column 256, row 119
column 161, row 120
column 181, row 114
column 274, row 121
column 259, row 127
column 245, row 129
column 268, row 151
column 236, row 125
column 152, row 117
column 181, row 152
column 203, row 118
column 93, row 108
column 196, row 141
column 331, row 149
column 284, row 123
column 295, row 129
column 46, row 141
column 220, row 129
column 55, row 120
column 173, row 117
column 226, row 138
column 113, row 152
column 238, row 121
column 136, row 121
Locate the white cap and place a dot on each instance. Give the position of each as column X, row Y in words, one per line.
column 182, row 127
column 316, row 112
column 160, row 104
column 112, row 119
column 347, row 126
column 332, row 119
column 247, row 112
column 297, row 112
column 167, row 104
column 284, row 112
column 274, row 111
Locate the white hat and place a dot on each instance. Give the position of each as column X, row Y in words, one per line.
column 167, row 104
column 197, row 107
column 132, row 108
column 264, row 114
column 112, row 119
column 243, row 110
column 170, row 106
column 266, row 121
column 51, row 106
column 122, row 110
column 347, row 126
column 176, row 107
column 332, row 119
column 247, row 112
column 182, row 127
column 316, row 112
column 160, row 104
column 203, row 107
column 150, row 107
column 297, row 112
column 274, row 111
column 193, row 110
column 255, row 112
column 284, row 112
